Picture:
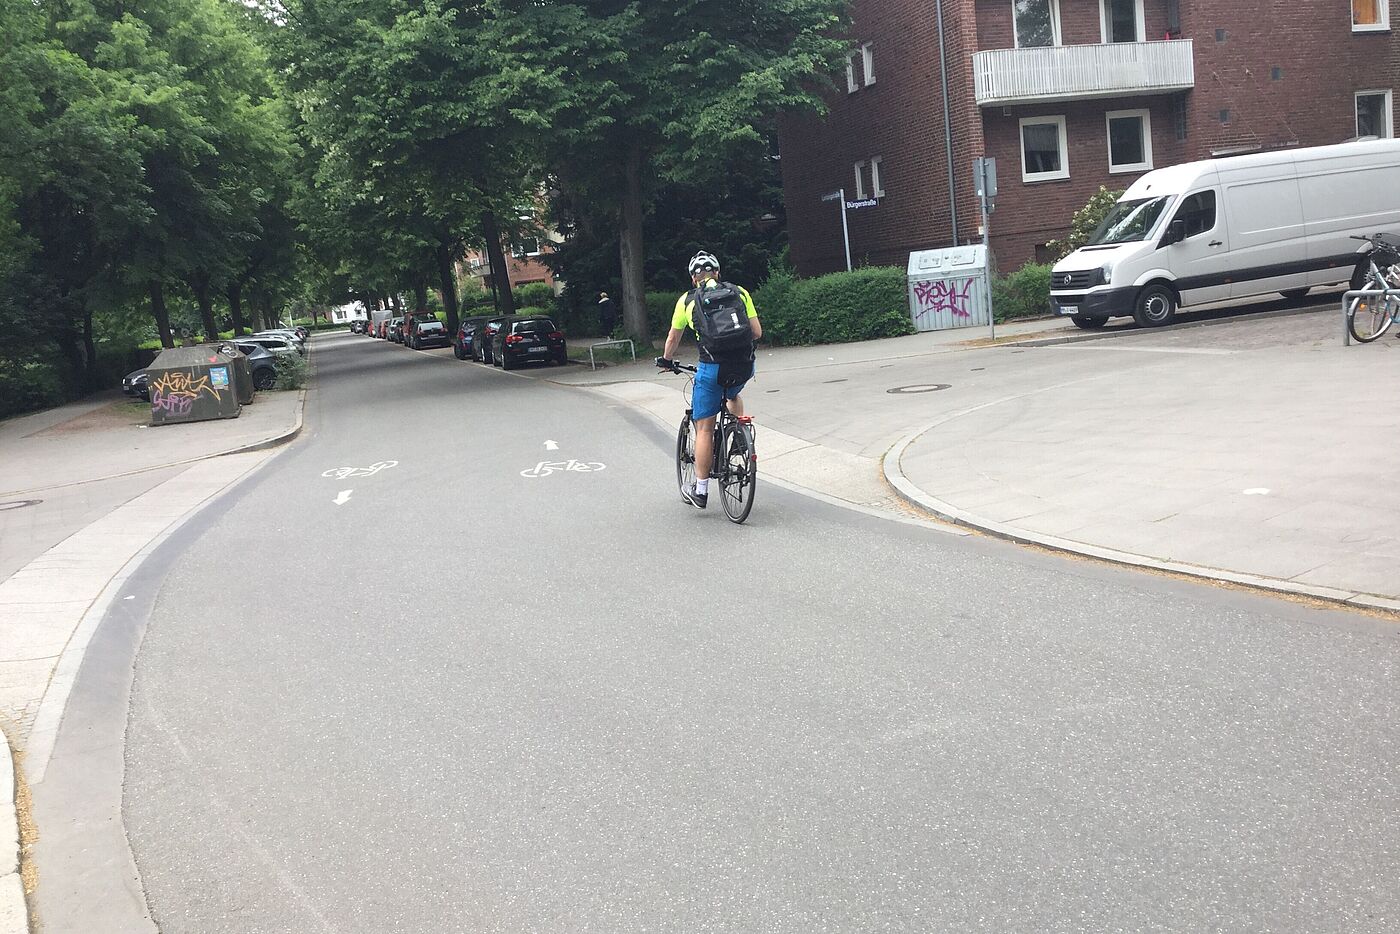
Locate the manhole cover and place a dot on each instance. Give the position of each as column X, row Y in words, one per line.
column 922, row 387
column 19, row 504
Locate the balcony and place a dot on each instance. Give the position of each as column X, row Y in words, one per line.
column 1081, row 72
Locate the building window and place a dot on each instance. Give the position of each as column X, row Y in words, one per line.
column 860, row 181
column 527, row 246
column 851, row 85
column 877, row 186
column 1129, row 140
column 1370, row 15
column 867, row 59
column 1044, row 151
column 1122, row 21
column 1373, row 114
column 1037, row 23
column 1179, row 117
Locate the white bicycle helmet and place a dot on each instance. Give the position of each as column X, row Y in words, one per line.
column 703, row 260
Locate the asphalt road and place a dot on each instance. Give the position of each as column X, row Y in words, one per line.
column 468, row 700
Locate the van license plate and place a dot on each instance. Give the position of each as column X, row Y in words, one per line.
column 1069, row 309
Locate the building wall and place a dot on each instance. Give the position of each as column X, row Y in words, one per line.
column 1321, row 61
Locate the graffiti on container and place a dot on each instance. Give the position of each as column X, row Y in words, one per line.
column 174, row 392
column 944, row 296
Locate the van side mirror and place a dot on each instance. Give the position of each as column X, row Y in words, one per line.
column 1176, row 232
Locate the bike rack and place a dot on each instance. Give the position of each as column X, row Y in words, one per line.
column 594, row 365
column 1349, row 300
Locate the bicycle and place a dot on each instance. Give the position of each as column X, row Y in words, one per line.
column 1368, row 317
column 735, row 466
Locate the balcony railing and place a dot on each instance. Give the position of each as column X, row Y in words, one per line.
column 1076, row 72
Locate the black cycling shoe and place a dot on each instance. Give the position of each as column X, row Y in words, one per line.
column 694, row 497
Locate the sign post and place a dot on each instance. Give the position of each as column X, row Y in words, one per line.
column 984, row 176
column 840, row 195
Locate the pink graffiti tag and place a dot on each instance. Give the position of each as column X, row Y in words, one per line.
column 172, row 404
column 944, row 296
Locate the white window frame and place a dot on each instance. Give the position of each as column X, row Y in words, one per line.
column 1104, row 21
column 1388, row 110
column 877, row 189
column 1144, row 166
column 851, row 86
column 1054, row 23
column 1063, row 173
column 1384, row 25
column 860, row 181
column 867, row 60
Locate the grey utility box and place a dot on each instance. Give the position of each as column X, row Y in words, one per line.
column 948, row 288
column 194, row 384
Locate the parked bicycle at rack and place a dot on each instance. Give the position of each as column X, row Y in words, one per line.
column 1370, row 316
column 735, row 467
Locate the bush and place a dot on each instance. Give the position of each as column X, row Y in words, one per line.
column 28, row 386
column 860, row 305
column 1024, row 293
column 534, row 294
column 292, row 371
column 1085, row 221
column 534, row 310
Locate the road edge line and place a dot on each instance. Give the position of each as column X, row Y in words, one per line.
column 920, row 499
column 14, row 908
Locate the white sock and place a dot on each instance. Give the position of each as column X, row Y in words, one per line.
column 703, row 486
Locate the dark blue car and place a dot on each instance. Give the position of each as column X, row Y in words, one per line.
column 462, row 342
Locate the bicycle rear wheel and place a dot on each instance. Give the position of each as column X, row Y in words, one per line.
column 685, row 456
column 740, row 472
column 1370, row 317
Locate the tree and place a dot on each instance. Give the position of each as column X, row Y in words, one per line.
column 629, row 93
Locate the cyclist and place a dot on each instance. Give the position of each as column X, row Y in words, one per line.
column 723, row 317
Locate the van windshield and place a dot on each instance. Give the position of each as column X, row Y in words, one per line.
column 1129, row 221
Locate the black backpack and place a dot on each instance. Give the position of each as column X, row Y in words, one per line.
column 721, row 320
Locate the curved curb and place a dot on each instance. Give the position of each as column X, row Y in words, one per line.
column 262, row 445
column 906, row 490
column 14, row 911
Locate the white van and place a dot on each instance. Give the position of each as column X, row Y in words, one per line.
column 1232, row 228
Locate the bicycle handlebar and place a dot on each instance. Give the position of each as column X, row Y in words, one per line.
column 675, row 367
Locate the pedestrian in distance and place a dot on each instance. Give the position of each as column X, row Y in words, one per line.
column 724, row 319
column 607, row 314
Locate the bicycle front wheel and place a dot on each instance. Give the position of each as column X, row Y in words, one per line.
column 685, row 456
column 740, row 472
column 1369, row 317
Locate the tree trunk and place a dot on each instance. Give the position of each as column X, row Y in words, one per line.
column 500, row 272
column 199, row 283
column 396, row 303
column 265, row 307
column 448, row 286
column 235, row 308
column 420, row 295
column 158, row 310
column 89, row 354
column 634, row 306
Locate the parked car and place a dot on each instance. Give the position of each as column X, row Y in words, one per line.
column 277, row 343
column 1231, row 229
column 137, row 383
column 526, row 340
column 359, row 327
column 396, row 330
column 481, row 343
column 466, row 334
column 287, row 334
column 261, row 361
column 428, row 333
column 303, row 331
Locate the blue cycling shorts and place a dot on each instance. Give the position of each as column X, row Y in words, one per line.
column 708, row 395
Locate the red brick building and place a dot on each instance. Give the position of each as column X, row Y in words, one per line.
column 1068, row 95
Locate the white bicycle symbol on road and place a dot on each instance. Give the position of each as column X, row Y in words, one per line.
column 545, row 468
column 344, row 473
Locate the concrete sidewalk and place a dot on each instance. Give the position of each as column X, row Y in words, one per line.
column 1261, row 453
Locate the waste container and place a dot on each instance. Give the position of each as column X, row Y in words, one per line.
column 242, row 372
column 193, row 384
column 948, row 288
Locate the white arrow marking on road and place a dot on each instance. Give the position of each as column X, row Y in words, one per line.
column 342, row 497
column 1257, row 491
column 551, row 446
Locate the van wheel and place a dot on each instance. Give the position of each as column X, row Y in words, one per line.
column 1294, row 294
column 1090, row 322
column 1155, row 308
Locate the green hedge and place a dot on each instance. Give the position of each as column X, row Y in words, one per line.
column 1024, row 293
column 860, row 305
column 534, row 294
